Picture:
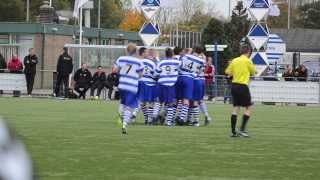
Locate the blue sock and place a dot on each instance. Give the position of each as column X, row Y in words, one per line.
column 184, row 112
column 169, row 118
column 144, row 110
column 150, row 114
column 195, row 111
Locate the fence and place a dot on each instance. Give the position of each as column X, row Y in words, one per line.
column 272, row 89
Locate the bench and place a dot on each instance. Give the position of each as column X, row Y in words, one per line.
column 13, row 82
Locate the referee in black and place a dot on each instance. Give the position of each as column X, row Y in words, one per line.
column 240, row 69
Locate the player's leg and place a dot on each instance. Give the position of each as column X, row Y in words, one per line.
column 144, row 109
column 246, row 101
column 204, row 109
column 236, row 96
column 129, row 101
column 195, row 114
column 187, row 95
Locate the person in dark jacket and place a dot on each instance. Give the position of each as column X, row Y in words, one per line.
column 112, row 81
column 82, row 78
column 301, row 73
column 30, row 67
column 98, row 82
column 3, row 64
column 64, row 69
column 288, row 74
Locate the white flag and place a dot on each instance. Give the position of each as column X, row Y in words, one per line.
column 274, row 10
column 77, row 5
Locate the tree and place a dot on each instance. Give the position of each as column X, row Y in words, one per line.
column 132, row 21
column 189, row 8
column 12, row 10
column 309, row 16
column 111, row 13
column 237, row 28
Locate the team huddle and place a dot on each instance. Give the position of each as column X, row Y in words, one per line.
column 175, row 84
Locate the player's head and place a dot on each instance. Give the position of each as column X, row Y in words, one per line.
column 245, row 50
column 187, row 51
column 177, row 51
column 169, row 53
column 152, row 54
column 197, row 50
column 131, row 49
column 143, row 52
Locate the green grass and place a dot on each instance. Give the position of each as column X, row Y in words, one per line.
column 80, row 140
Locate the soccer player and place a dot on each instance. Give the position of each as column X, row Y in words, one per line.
column 130, row 69
column 198, row 99
column 168, row 70
column 189, row 69
column 198, row 93
column 240, row 69
column 147, row 86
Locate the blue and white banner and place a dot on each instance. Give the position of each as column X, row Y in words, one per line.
column 150, row 8
column 260, row 60
column 276, row 48
column 258, row 36
column 259, row 9
column 149, row 33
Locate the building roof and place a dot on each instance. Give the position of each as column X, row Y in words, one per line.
column 300, row 40
column 68, row 30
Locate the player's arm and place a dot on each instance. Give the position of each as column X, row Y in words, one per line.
column 252, row 69
column 116, row 67
column 140, row 69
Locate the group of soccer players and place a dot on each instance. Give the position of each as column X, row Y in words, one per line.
column 174, row 84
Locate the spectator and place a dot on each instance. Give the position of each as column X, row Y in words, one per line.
column 301, row 73
column 3, row 64
column 82, row 78
column 288, row 74
column 209, row 74
column 112, row 81
column 15, row 65
column 64, row 69
column 30, row 67
column 98, row 82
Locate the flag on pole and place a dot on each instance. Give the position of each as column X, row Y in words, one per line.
column 77, row 5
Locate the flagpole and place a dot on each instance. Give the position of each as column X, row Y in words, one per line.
column 80, row 36
column 289, row 14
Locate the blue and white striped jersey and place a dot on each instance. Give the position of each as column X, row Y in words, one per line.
column 168, row 70
column 191, row 65
column 130, row 69
column 149, row 75
column 200, row 75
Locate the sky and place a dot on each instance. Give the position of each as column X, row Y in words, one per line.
column 222, row 6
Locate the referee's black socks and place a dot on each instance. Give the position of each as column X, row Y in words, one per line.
column 245, row 120
column 233, row 123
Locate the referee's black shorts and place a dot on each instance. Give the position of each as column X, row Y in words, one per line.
column 241, row 95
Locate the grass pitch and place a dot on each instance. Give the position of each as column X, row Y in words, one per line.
column 80, row 140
